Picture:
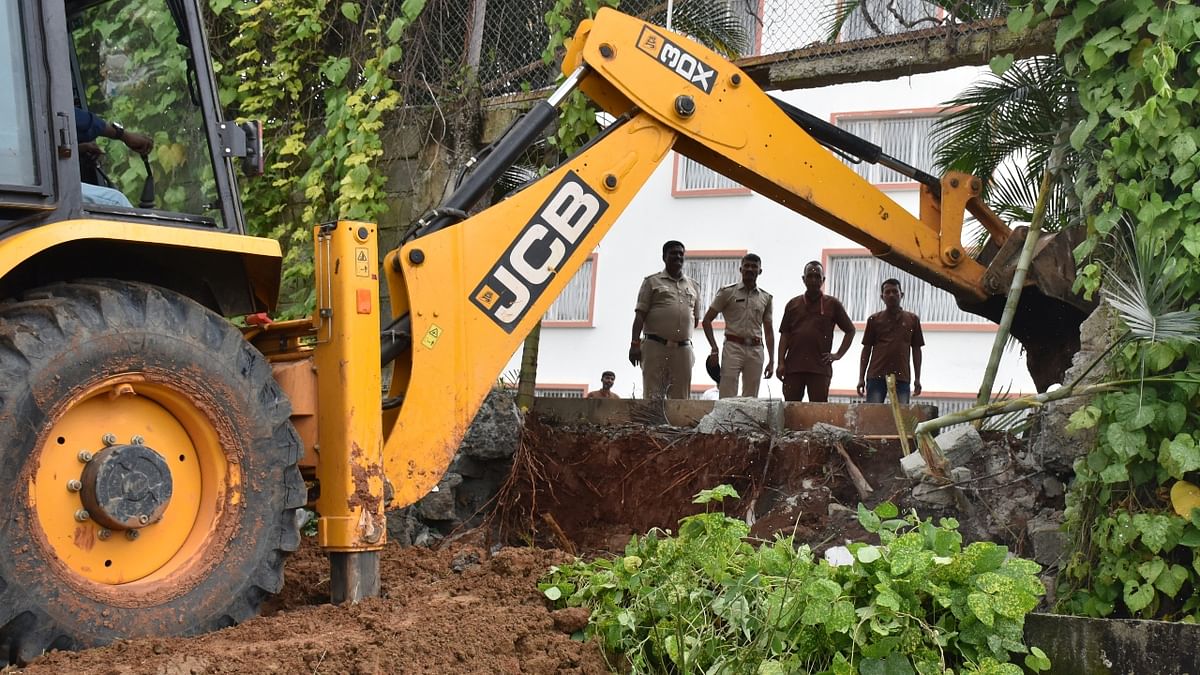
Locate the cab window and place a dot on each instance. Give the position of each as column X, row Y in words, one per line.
column 18, row 164
column 133, row 71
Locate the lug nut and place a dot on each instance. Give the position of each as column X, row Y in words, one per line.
column 131, row 534
column 143, row 519
column 82, row 515
column 84, row 456
column 104, row 534
column 137, row 440
column 109, row 439
column 74, row 485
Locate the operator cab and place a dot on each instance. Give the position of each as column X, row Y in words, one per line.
column 128, row 66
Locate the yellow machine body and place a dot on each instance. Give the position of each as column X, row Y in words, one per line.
column 259, row 258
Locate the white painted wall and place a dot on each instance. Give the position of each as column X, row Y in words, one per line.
column 954, row 361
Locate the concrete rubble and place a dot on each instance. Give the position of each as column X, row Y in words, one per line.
column 733, row 415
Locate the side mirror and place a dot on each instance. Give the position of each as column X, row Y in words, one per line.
column 243, row 140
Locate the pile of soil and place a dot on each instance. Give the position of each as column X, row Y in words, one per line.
column 472, row 605
column 453, row 610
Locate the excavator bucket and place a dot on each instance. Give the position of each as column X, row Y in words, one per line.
column 1050, row 311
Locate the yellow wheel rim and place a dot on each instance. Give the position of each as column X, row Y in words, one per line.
column 177, row 429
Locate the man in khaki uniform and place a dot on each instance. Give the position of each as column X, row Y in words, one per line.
column 668, row 308
column 747, row 311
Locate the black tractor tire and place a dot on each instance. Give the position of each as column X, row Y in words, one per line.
column 60, row 342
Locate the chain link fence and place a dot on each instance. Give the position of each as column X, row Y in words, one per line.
column 499, row 43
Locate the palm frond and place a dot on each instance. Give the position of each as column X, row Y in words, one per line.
column 1150, row 300
column 1012, row 195
column 1013, row 422
column 514, row 178
column 713, row 23
column 996, row 119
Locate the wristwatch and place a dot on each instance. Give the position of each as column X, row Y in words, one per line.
column 119, row 129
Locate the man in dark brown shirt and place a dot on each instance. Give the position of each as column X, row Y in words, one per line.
column 890, row 336
column 806, row 339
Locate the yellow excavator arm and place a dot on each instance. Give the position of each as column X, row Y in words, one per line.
column 466, row 290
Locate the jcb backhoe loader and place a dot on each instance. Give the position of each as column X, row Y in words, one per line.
column 149, row 464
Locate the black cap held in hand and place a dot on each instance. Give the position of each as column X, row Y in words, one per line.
column 713, row 366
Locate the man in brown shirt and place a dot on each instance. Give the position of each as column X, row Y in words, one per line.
column 887, row 341
column 747, row 311
column 806, row 339
column 606, row 382
column 668, row 308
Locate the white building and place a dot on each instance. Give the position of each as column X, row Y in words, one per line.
column 588, row 329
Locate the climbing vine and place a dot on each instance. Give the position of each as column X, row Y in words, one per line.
column 1136, row 541
column 316, row 72
column 577, row 123
column 710, row 22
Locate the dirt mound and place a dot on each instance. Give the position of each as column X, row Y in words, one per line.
column 452, row 610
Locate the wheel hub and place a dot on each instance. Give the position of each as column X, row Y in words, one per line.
column 126, row 487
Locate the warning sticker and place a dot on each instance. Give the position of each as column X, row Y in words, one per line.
column 431, row 336
column 362, row 262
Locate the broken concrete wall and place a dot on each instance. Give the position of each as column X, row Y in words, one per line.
column 1055, row 447
column 481, row 466
column 1081, row 646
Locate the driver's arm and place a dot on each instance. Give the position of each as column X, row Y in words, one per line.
column 90, row 126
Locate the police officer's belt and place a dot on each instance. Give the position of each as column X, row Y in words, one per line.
column 753, row 341
column 669, row 343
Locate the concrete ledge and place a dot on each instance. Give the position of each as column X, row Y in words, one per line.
column 1081, row 646
column 864, row 419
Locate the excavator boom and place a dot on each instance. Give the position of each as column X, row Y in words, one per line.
column 466, row 290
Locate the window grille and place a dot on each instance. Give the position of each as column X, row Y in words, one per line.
column 559, row 392
column 906, row 137
column 944, row 405
column 575, row 302
column 692, row 176
column 855, row 280
column 873, row 18
column 711, row 273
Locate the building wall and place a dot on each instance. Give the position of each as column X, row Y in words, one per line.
column 572, row 356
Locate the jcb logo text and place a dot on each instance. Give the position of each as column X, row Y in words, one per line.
column 518, row 279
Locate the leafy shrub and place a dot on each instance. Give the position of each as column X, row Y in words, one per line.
column 707, row 601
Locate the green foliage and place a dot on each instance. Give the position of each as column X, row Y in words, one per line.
column 1133, row 64
column 577, row 122
column 317, row 73
column 134, row 72
column 1013, row 119
column 710, row 22
column 707, row 601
